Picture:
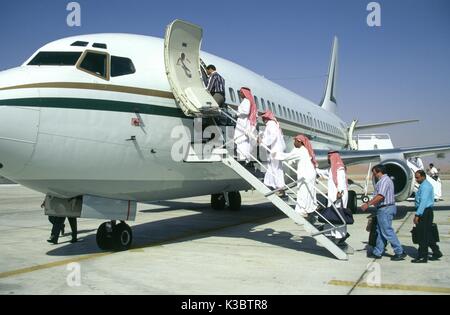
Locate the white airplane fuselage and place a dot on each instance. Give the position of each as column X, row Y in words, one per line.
column 66, row 132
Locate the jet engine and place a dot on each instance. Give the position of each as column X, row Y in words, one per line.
column 402, row 177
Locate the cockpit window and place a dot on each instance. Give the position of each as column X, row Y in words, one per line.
column 121, row 66
column 55, row 58
column 80, row 44
column 95, row 63
column 99, row 45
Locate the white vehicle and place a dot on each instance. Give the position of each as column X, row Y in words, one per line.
column 374, row 142
column 88, row 121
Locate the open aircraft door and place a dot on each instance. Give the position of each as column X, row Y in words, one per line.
column 182, row 60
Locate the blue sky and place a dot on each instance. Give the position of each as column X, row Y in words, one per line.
column 400, row 70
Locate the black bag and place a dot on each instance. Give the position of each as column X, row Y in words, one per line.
column 434, row 234
column 331, row 215
column 373, row 234
column 415, row 235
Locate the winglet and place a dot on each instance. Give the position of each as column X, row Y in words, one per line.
column 329, row 101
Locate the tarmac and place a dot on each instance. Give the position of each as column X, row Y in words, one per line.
column 185, row 247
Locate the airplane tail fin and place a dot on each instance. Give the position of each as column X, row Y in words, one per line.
column 329, row 101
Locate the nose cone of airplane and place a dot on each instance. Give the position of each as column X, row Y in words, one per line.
column 18, row 129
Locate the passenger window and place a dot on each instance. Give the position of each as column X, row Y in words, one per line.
column 232, row 95
column 96, row 64
column 263, row 104
column 269, row 106
column 257, row 102
column 121, row 66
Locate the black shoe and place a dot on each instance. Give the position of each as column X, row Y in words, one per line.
column 436, row 256
column 53, row 240
column 74, row 240
column 372, row 255
column 419, row 261
column 399, row 257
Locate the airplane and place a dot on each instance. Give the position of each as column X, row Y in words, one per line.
column 88, row 121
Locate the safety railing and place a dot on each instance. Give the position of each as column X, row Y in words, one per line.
column 295, row 182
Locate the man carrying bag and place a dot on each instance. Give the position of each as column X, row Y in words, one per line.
column 338, row 194
column 424, row 234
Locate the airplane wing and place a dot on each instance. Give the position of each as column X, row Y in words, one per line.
column 350, row 157
column 384, row 124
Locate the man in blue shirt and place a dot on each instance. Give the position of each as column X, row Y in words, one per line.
column 424, row 219
column 384, row 201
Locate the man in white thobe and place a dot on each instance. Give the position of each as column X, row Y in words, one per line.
column 245, row 125
column 337, row 190
column 434, row 174
column 272, row 138
column 304, row 156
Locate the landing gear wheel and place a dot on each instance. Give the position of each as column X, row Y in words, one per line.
column 122, row 237
column 218, row 201
column 234, row 200
column 365, row 199
column 104, row 236
column 352, row 201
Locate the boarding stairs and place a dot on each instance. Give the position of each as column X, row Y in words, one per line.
column 437, row 185
column 253, row 177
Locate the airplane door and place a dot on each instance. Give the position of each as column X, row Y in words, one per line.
column 182, row 60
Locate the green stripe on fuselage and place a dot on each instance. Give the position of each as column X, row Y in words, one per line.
column 125, row 107
column 96, row 104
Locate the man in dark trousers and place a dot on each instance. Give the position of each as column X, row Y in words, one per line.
column 384, row 201
column 424, row 219
column 58, row 227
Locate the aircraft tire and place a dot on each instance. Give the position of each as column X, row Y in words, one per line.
column 103, row 237
column 365, row 199
column 352, row 201
column 122, row 237
column 218, row 201
column 235, row 200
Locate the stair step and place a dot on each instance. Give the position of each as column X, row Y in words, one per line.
column 284, row 207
